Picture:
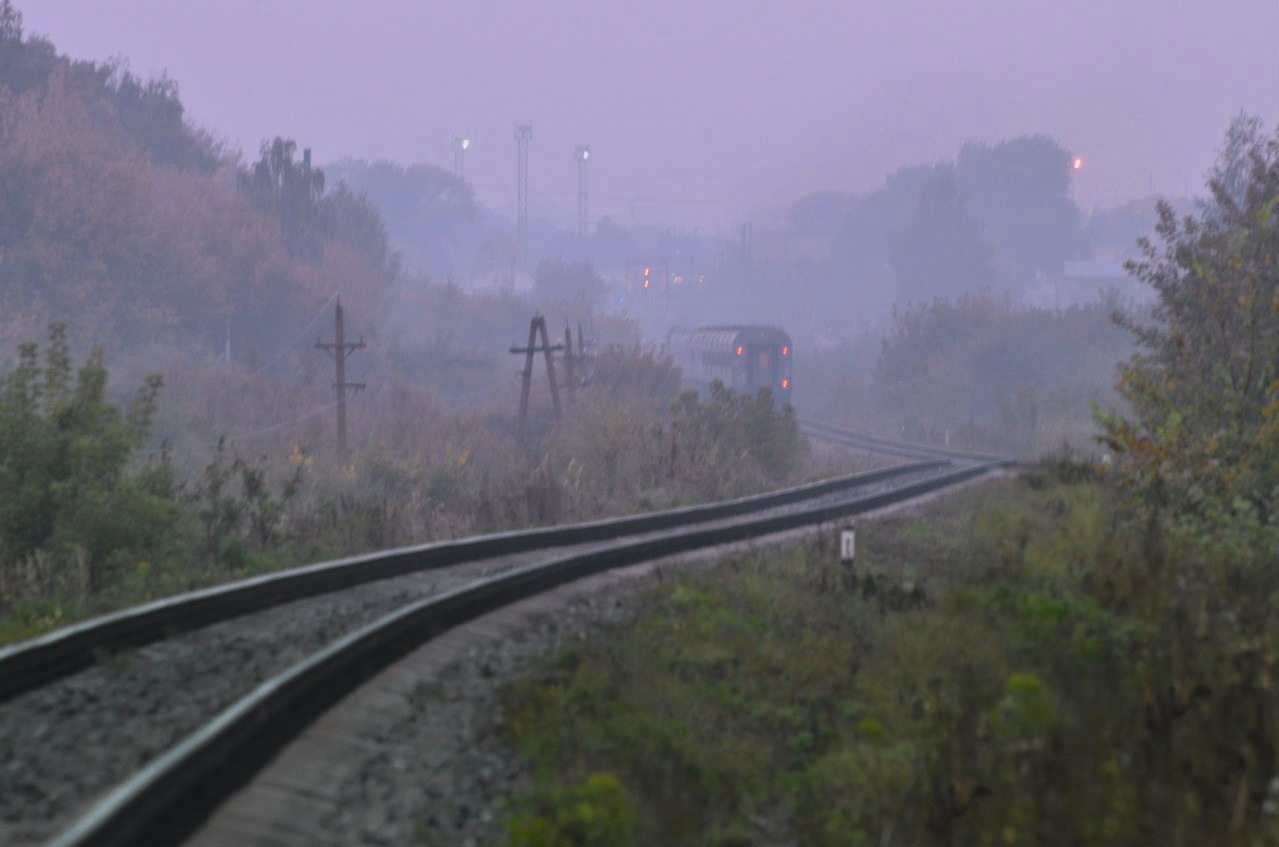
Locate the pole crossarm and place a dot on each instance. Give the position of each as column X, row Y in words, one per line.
column 350, row 346
column 554, row 348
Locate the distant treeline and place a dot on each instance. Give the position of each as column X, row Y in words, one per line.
column 122, row 219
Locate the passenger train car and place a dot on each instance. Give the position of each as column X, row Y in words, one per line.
column 744, row 358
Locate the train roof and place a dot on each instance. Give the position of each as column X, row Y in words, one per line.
column 730, row 335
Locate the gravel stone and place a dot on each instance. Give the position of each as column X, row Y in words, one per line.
column 68, row 743
column 457, row 773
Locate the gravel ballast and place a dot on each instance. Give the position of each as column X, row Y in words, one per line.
column 66, row 744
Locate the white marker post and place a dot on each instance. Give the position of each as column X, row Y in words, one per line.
column 847, row 548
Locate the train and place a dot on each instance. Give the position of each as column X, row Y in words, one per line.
column 744, row 358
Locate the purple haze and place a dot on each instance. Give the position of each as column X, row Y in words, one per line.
column 702, row 112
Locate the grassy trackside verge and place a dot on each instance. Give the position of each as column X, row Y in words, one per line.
column 998, row 674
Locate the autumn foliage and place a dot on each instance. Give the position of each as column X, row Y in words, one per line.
column 120, row 219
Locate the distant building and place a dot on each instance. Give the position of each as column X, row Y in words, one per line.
column 1086, row 282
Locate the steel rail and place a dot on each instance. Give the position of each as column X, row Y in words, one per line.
column 39, row 661
column 166, row 800
column 905, row 449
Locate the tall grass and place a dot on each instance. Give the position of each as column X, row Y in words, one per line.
column 1012, row 669
column 247, row 496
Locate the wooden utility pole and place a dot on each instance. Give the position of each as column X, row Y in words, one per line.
column 537, row 325
column 527, row 377
column 569, row 376
column 339, row 349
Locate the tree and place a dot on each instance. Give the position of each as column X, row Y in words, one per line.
column 150, row 115
column 1204, row 384
column 866, row 231
column 423, row 206
column 354, row 221
column 92, row 230
column 1199, row 458
column 290, row 192
column 862, row 249
column 10, row 24
column 1245, row 142
column 63, row 457
column 941, row 253
column 143, row 114
column 982, row 367
column 1018, row 192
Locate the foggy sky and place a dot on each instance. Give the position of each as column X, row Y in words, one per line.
column 699, row 112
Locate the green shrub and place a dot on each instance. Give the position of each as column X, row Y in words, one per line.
column 593, row 814
column 66, row 493
column 1052, row 691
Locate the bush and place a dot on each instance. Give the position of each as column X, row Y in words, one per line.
column 594, row 814
column 66, row 496
column 732, row 443
column 990, row 374
column 1058, row 689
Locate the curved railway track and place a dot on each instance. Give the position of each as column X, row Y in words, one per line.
column 165, row 799
column 42, row 660
column 887, row 446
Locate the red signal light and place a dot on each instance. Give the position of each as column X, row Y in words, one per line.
column 785, row 351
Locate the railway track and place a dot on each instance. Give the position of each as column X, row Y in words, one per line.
column 42, row 660
column 887, row 446
column 169, row 794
